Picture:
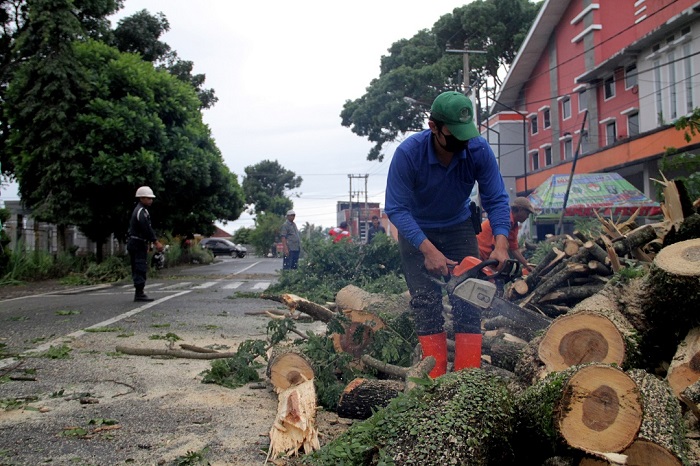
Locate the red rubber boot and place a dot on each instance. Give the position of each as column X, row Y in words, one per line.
column 435, row 346
column 467, row 350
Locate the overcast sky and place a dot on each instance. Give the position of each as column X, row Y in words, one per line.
column 282, row 71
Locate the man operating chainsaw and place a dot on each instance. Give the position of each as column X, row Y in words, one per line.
column 429, row 183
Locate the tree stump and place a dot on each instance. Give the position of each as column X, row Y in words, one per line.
column 593, row 408
column 363, row 396
column 287, row 366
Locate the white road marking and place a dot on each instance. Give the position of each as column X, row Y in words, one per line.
column 233, row 286
column 61, row 340
column 261, row 285
column 249, row 267
column 205, row 285
column 176, row 285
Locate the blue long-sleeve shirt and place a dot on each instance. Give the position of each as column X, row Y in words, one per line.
column 421, row 193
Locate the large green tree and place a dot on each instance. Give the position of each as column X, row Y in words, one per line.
column 267, row 186
column 89, row 124
column 91, row 15
column 419, row 68
column 141, row 32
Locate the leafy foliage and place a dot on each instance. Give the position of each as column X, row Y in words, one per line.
column 266, row 185
column 457, row 419
column 326, row 267
column 266, row 232
column 683, row 167
column 239, row 370
column 418, row 69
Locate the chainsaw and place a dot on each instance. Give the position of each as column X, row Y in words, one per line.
column 472, row 281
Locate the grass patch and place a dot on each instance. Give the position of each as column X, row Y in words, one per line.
column 67, row 313
column 160, row 325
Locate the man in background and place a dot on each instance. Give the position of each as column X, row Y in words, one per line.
column 340, row 233
column 375, row 228
column 520, row 210
column 141, row 234
column 291, row 242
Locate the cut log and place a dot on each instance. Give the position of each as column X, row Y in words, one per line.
column 503, row 348
column 419, row 370
column 363, row 396
column 355, row 298
column 661, row 438
column 571, row 247
column 173, row 353
column 684, row 369
column 359, row 332
column 580, row 338
column 592, row 408
column 548, row 261
column 570, row 293
column 597, row 252
column 556, row 279
column 287, row 366
column 294, row 428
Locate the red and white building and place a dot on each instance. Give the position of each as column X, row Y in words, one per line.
column 632, row 67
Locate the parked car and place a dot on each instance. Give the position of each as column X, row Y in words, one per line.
column 223, row 247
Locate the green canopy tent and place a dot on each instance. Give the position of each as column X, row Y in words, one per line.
column 609, row 194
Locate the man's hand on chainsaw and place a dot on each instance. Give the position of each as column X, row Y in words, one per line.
column 500, row 251
column 435, row 262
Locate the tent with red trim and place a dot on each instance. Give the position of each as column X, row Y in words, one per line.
column 609, row 194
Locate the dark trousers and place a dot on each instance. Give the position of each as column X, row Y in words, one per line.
column 290, row 261
column 138, row 252
column 456, row 243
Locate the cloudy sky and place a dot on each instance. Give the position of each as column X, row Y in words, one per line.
column 282, row 71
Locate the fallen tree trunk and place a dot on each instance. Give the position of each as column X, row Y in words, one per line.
column 357, row 299
column 593, row 408
column 297, row 303
column 358, row 332
column 437, row 425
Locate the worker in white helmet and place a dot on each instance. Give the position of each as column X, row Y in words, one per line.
column 141, row 234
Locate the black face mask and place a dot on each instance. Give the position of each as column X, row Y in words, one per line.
column 452, row 144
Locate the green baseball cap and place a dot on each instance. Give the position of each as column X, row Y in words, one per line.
column 456, row 111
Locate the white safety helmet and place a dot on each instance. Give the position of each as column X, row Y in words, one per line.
column 145, row 191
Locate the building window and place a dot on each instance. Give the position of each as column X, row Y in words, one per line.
column 533, row 125
column 633, row 124
column 609, row 87
column 610, row 133
column 568, row 151
column 672, row 85
column 582, row 101
column 547, row 156
column 631, row 76
column 687, row 78
column 535, row 161
column 656, row 65
column 565, row 108
column 545, row 116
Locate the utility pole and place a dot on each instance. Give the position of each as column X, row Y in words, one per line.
column 465, row 56
column 358, row 193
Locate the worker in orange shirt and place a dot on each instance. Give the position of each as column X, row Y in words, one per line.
column 520, row 210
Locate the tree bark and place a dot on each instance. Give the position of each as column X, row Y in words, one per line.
column 297, row 303
column 570, row 293
column 173, row 353
column 355, row 298
column 661, row 439
column 362, row 396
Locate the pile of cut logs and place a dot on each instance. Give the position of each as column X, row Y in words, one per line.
column 614, row 379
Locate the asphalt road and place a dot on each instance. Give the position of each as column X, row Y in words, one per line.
column 163, row 410
column 34, row 323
